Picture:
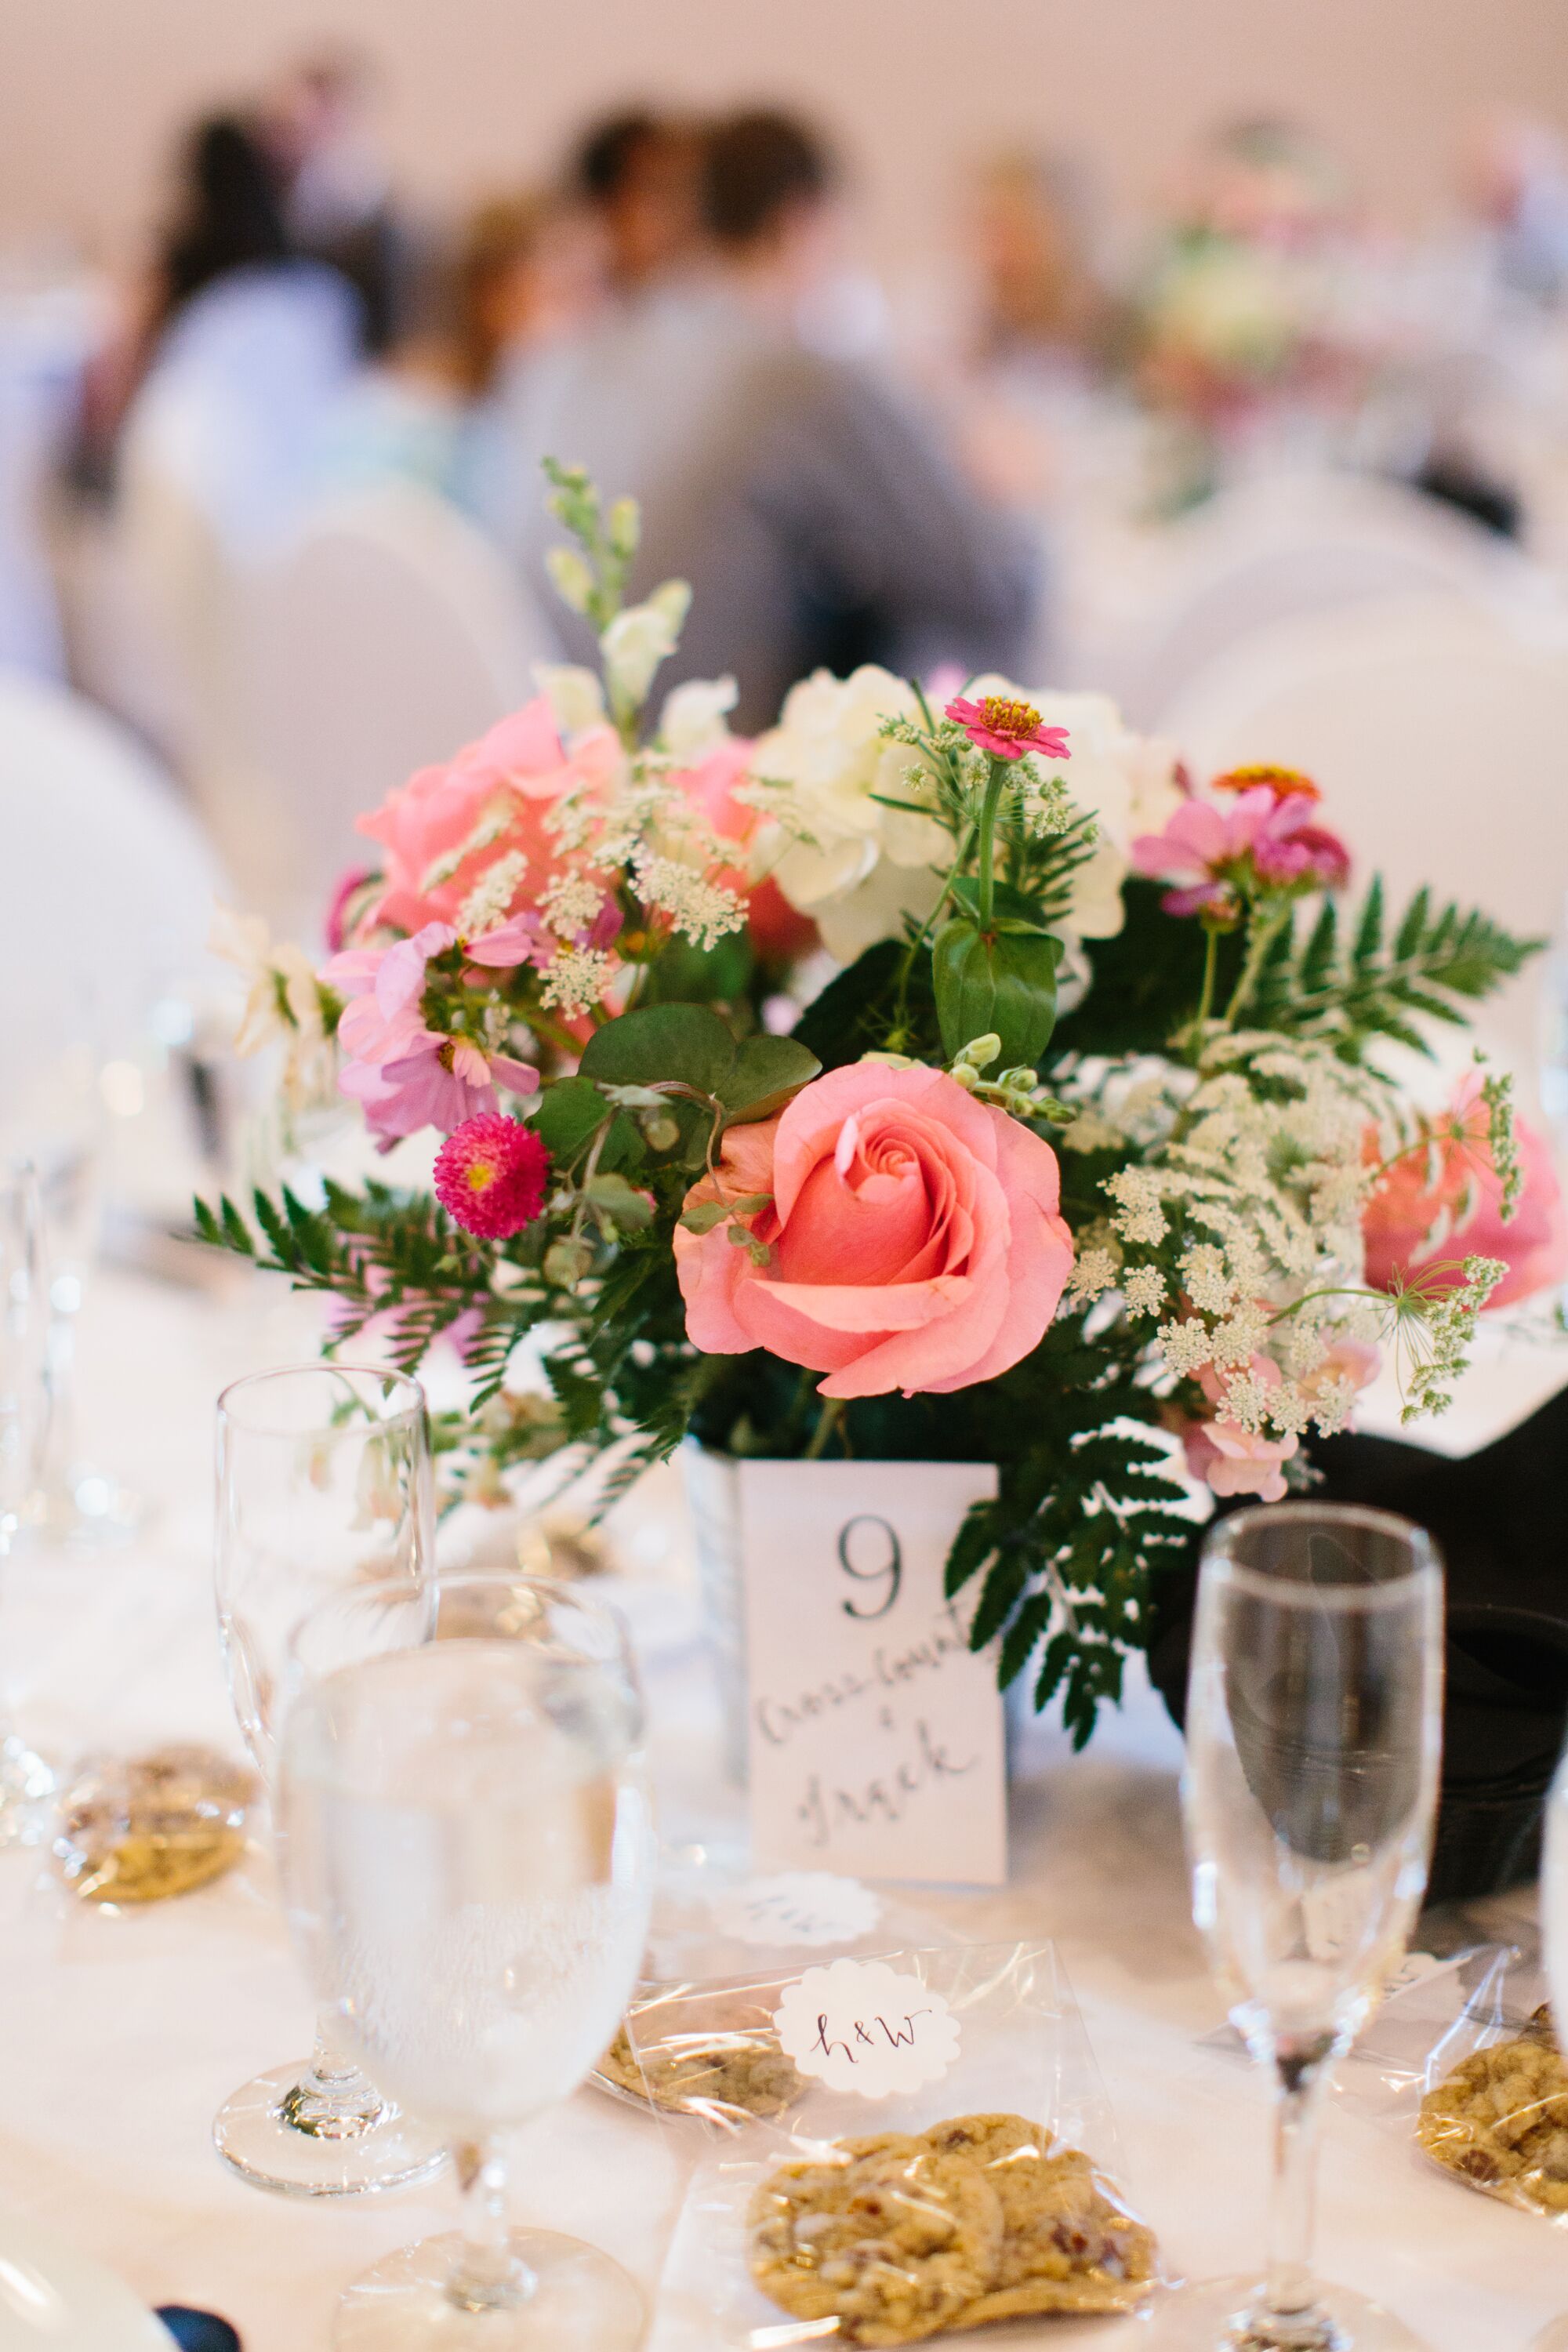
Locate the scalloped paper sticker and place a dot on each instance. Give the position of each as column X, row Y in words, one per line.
column 861, row 2026
column 798, row 1906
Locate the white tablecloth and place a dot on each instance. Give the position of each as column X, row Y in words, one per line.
column 118, row 2036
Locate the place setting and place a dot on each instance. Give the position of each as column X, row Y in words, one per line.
column 783, row 1278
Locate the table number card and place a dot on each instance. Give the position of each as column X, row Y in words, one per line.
column 875, row 1733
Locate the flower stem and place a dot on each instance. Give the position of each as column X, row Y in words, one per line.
column 1264, row 928
column 1206, row 995
column 990, row 806
column 827, row 1421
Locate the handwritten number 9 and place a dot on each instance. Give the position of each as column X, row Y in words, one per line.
column 891, row 1567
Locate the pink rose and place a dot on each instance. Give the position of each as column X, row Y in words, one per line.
column 1398, row 1221
column 913, row 1237
column 779, row 932
column 511, row 778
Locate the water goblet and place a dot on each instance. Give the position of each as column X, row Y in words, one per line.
column 468, row 1859
column 1314, row 1731
column 26, row 1783
column 324, row 1481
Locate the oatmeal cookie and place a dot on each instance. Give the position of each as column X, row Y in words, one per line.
column 1061, row 2233
column 740, row 2071
column 1501, row 2119
column 895, row 2245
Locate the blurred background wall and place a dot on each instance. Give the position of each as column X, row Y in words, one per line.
column 477, row 90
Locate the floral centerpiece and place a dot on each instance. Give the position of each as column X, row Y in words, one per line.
column 1081, row 1160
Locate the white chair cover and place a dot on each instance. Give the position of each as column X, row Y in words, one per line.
column 385, row 635
column 106, row 884
column 1436, row 734
column 1269, row 552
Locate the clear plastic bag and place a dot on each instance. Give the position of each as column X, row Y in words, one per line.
column 1463, row 2064
column 716, row 1921
column 898, row 2147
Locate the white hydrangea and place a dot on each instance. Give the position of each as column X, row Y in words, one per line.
column 841, row 857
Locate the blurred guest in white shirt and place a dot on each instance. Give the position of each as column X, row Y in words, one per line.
column 806, row 502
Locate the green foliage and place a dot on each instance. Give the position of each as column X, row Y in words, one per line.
column 1001, row 982
column 1350, row 984
column 1145, row 981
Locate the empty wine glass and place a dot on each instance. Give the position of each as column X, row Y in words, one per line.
column 468, row 1858
column 1314, row 1729
column 324, row 1481
column 26, row 1783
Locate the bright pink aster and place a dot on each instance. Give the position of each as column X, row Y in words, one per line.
column 342, row 898
column 405, row 1075
column 913, row 1235
column 1207, row 850
column 514, row 775
column 489, row 1176
column 1007, row 729
column 1408, row 1224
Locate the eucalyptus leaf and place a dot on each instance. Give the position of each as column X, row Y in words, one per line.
column 568, row 1111
column 657, row 1042
column 767, row 1070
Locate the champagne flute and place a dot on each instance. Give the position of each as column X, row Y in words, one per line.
column 1314, row 1731
column 26, row 1783
column 468, row 1858
column 324, row 1481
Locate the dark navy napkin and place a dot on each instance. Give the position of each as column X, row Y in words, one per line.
column 197, row 2331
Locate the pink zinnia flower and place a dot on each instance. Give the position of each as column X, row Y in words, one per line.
column 489, row 1176
column 1265, row 837
column 1007, row 729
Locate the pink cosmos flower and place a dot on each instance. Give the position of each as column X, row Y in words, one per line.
column 407, row 1075
column 503, row 787
column 913, row 1237
column 1408, row 1224
column 1206, row 850
column 489, row 1176
column 342, row 897
column 1233, row 1461
column 1007, row 729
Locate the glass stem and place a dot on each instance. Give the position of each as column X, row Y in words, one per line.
column 1290, row 2316
column 331, row 2099
column 487, row 2275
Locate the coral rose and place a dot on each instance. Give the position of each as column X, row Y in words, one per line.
column 913, row 1237
column 1410, row 1223
column 449, row 829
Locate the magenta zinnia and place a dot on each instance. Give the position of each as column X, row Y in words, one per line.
column 489, row 1176
column 1006, row 728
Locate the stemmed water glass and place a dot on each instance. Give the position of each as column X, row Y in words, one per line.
column 323, row 1482
column 1314, row 1731
column 26, row 1781
column 468, row 1859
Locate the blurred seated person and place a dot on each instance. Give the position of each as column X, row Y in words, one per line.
column 1042, row 332
column 814, row 517
column 524, row 271
column 318, row 124
column 241, row 344
column 637, row 175
column 227, row 229
column 1043, row 310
